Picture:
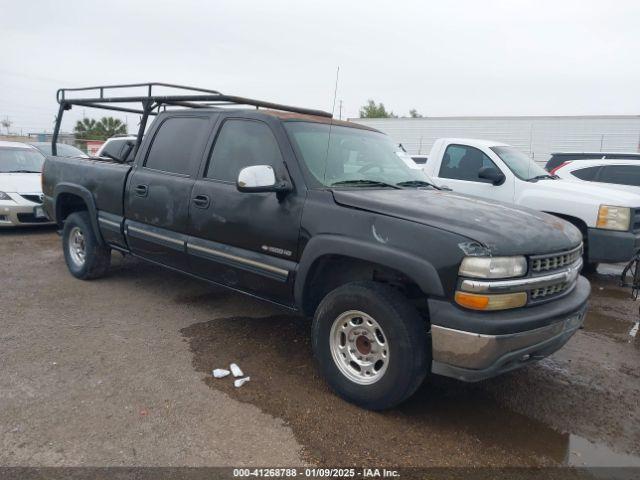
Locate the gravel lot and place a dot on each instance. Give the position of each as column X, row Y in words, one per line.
column 117, row 372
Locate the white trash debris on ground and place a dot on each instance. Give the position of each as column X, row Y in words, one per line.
column 240, row 381
column 220, row 373
column 235, row 369
column 634, row 330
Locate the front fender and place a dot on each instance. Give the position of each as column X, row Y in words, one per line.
column 418, row 269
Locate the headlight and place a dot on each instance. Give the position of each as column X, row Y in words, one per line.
column 493, row 267
column 4, row 196
column 613, row 218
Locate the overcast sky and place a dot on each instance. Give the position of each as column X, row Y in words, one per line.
column 441, row 57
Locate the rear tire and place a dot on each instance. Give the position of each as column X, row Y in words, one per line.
column 371, row 344
column 85, row 257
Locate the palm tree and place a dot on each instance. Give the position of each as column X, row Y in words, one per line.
column 85, row 128
column 110, row 126
column 107, row 127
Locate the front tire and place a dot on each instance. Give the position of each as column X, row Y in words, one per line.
column 85, row 257
column 371, row 344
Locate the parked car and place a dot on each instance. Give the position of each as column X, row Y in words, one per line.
column 324, row 218
column 20, row 185
column 620, row 174
column 608, row 218
column 558, row 159
column 118, row 148
column 64, row 150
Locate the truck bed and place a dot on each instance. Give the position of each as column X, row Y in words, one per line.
column 105, row 179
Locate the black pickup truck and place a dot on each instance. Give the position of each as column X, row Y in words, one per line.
column 325, row 218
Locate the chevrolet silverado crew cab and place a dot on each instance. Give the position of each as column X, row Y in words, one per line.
column 324, row 218
column 608, row 218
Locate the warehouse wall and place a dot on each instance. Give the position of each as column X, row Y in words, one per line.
column 537, row 136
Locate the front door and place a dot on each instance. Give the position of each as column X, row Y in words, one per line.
column 159, row 190
column 459, row 171
column 247, row 241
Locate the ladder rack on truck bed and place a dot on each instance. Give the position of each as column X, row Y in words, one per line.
column 151, row 104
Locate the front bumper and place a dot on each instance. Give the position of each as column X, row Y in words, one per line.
column 610, row 246
column 20, row 214
column 496, row 342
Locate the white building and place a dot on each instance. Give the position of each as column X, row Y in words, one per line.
column 538, row 136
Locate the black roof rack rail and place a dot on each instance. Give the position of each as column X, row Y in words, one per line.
column 188, row 97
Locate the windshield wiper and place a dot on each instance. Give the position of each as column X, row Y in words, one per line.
column 542, row 177
column 364, row 183
column 416, row 183
column 21, row 171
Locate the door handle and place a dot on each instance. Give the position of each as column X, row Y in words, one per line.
column 201, row 201
column 141, row 190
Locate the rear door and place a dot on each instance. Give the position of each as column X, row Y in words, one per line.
column 247, row 241
column 159, row 189
column 620, row 174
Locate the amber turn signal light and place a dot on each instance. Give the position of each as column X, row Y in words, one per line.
column 491, row 302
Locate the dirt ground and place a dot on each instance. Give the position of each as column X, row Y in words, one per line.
column 118, row 372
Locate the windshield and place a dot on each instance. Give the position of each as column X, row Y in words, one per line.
column 354, row 157
column 20, row 160
column 519, row 163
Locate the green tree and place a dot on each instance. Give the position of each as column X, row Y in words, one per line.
column 106, row 127
column 413, row 113
column 371, row 110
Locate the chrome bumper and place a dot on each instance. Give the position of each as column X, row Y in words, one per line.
column 472, row 357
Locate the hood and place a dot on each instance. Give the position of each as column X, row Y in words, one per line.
column 20, row 182
column 598, row 193
column 503, row 228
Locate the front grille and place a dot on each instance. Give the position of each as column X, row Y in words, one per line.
column 635, row 220
column 32, row 198
column 540, row 293
column 31, row 218
column 554, row 261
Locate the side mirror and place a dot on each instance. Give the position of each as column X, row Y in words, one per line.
column 492, row 174
column 260, row 178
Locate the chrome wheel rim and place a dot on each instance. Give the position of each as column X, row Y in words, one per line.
column 359, row 347
column 77, row 247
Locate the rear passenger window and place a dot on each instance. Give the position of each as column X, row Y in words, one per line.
column 177, row 145
column 620, row 174
column 242, row 143
column 461, row 162
column 588, row 174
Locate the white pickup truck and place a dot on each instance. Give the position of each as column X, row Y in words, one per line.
column 609, row 218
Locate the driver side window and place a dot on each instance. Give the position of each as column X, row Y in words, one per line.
column 462, row 162
column 242, row 143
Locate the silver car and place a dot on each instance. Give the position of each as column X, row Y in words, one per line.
column 20, row 185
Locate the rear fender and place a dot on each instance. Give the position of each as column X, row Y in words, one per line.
column 86, row 196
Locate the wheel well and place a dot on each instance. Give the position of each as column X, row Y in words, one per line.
column 331, row 271
column 66, row 204
column 580, row 225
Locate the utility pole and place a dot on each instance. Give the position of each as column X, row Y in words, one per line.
column 340, row 110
